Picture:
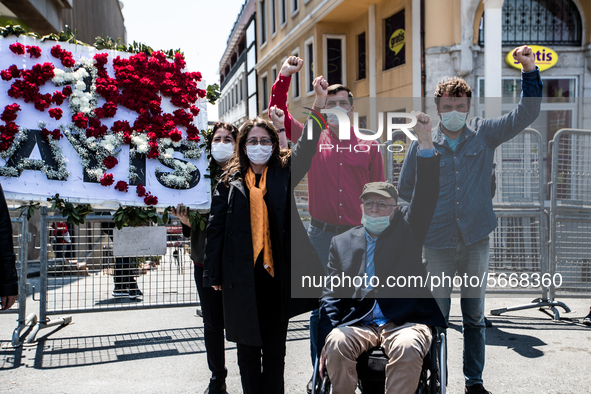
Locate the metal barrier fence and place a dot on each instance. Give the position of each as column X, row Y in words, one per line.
column 519, row 244
column 21, row 237
column 84, row 276
column 570, row 212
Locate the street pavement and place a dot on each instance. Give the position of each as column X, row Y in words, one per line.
column 162, row 351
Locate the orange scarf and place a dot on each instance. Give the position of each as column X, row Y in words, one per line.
column 259, row 220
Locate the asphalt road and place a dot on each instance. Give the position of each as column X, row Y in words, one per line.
column 162, row 351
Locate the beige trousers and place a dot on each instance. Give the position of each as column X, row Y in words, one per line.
column 405, row 345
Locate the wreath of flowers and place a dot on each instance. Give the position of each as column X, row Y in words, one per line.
column 138, row 84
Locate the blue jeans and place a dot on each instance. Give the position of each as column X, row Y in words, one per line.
column 470, row 260
column 321, row 241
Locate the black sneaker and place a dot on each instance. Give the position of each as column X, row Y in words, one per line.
column 119, row 292
column 216, row 386
column 135, row 293
column 587, row 319
column 309, row 385
column 477, row 388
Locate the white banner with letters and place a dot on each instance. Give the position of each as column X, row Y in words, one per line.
column 100, row 126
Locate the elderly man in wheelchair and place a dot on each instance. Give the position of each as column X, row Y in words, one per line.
column 375, row 294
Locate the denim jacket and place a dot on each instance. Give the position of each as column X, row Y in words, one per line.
column 464, row 206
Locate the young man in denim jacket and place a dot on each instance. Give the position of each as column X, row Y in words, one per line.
column 458, row 239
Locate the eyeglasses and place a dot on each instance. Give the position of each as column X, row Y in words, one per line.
column 254, row 141
column 382, row 206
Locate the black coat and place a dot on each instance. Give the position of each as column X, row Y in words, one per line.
column 8, row 275
column 398, row 252
column 229, row 254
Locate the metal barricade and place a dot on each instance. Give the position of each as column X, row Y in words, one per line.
column 570, row 213
column 519, row 245
column 84, row 276
column 21, row 238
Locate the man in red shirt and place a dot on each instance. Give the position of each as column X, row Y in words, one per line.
column 339, row 170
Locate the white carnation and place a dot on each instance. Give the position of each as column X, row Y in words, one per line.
column 168, row 153
column 80, row 86
column 143, row 148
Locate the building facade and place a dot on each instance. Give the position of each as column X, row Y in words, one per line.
column 90, row 18
column 402, row 48
column 238, row 77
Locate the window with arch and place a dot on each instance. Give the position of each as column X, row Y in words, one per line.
column 539, row 22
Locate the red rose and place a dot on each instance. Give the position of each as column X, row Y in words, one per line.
column 6, row 75
column 110, row 162
column 140, row 190
column 99, row 113
column 55, row 113
column 176, row 135
column 58, row 98
column 15, row 71
column 9, row 113
column 122, row 186
column 194, row 110
column 110, row 109
column 67, row 91
column 80, row 120
column 11, row 128
column 101, row 58
column 56, row 50
column 34, row 51
column 121, row 125
column 150, row 199
column 107, row 180
column 45, row 133
column 17, row 48
column 42, row 102
column 68, row 61
column 56, row 134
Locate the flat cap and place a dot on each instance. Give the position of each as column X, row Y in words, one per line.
column 382, row 188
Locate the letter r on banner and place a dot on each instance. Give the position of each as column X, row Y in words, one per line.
column 400, row 126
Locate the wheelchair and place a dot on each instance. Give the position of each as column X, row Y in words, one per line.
column 371, row 370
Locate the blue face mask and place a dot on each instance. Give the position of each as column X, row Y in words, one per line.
column 375, row 225
column 454, row 120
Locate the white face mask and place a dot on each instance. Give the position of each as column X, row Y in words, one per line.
column 259, row 154
column 332, row 119
column 454, row 120
column 222, row 152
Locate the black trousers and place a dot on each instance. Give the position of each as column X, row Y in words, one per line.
column 213, row 322
column 124, row 273
column 262, row 368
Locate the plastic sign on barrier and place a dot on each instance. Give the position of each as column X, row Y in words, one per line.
column 545, row 58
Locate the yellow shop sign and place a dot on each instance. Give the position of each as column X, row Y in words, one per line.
column 397, row 40
column 545, row 58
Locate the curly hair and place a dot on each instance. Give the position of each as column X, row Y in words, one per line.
column 239, row 163
column 454, row 86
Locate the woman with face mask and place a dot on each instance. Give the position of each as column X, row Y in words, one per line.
column 248, row 251
column 221, row 148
